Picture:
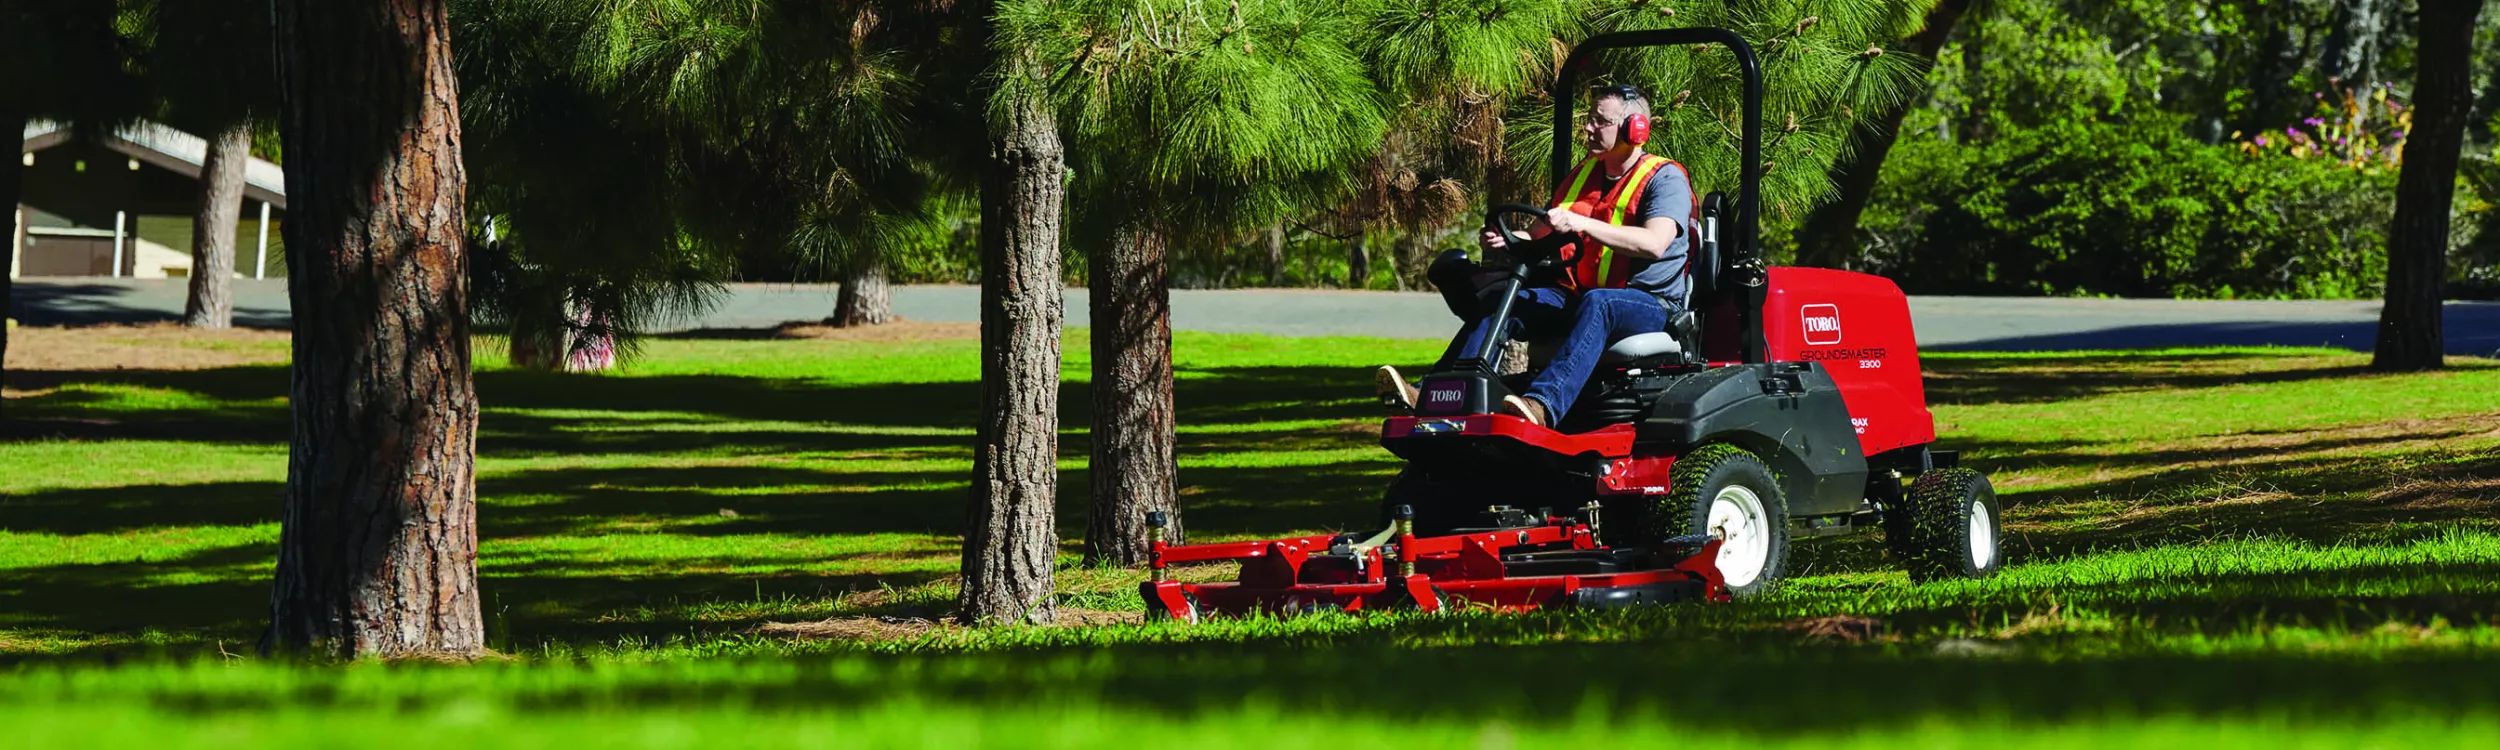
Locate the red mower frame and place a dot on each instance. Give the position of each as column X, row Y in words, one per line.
column 1499, row 568
column 1337, row 573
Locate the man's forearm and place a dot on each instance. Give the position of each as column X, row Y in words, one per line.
column 1649, row 244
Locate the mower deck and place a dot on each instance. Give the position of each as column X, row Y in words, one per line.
column 1554, row 564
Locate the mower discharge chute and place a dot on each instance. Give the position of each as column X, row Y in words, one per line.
column 1787, row 402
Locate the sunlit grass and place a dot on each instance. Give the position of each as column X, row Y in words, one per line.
column 2182, row 525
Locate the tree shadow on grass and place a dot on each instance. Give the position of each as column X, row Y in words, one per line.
column 246, row 404
column 221, row 595
column 1978, row 380
column 105, row 510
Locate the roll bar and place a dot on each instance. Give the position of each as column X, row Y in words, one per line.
column 1746, row 258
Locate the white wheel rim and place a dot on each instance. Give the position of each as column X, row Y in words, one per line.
column 1983, row 536
column 1736, row 520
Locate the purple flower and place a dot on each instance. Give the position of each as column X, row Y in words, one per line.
column 2339, row 141
column 2291, row 132
column 2397, row 136
column 2313, row 122
column 2261, row 140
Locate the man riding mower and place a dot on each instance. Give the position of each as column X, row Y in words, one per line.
column 1637, row 209
column 1678, row 462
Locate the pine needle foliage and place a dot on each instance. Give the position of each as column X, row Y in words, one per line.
column 1827, row 67
column 1208, row 117
column 588, row 243
column 1449, row 69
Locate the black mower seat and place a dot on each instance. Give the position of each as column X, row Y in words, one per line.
column 1641, row 346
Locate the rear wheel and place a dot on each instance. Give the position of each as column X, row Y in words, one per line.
column 1728, row 494
column 1951, row 527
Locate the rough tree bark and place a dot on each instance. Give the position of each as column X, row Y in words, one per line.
column 12, row 182
column 377, row 553
column 1133, row 429
column 1406, row 258
column 2355, row 40
column 1275, row 237
column 1830, row 237
column 865, row 298
column 1358, row 263
column 211, row 304
column 2409, row 334
column 1011, row 541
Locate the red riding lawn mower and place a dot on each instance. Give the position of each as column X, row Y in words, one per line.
column 1789, row 404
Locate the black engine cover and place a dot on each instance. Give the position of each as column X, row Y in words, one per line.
column 1789, row 413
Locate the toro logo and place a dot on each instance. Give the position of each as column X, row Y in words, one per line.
column 1821, row 324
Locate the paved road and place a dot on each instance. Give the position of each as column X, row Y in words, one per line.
column 1979, row 323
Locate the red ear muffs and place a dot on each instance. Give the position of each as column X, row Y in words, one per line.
column 1636, row 129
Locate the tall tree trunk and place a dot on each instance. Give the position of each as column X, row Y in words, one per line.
column 1275, row 255
column 1011, row 542
column 865, row 299
column 2355, row 39
column 12, row 184
column 2409, row 335
column 377, row 553
column 1358, row 262
column 2277, row 60
column 211, row 304
column 1133, row 429
column 1407, row 254
column 1976, row 127
column 1830, row 237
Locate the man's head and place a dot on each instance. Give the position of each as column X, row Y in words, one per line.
column 1615, row 107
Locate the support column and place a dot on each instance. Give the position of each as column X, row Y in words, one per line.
column 17, row 242
column 120, row 218
column 260, row 268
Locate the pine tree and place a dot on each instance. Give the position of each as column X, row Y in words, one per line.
column 1186, row 122
column 377, row 548
column 207, row 64
column 2410, row 336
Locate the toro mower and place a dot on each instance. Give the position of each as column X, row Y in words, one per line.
column 1787, row 403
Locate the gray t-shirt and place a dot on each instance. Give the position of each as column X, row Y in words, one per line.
column 1668, row 196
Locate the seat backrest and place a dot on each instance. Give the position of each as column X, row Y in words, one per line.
column 1703, row 265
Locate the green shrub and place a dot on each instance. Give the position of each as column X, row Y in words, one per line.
column 2126, row 209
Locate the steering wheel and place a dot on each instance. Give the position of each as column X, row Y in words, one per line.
column 1539, row 251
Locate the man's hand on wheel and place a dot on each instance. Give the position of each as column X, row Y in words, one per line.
column 1563, row 220
column 1492, row 241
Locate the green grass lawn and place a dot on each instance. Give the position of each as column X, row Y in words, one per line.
column 2208, row 547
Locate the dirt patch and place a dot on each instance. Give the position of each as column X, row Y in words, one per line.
column 888, row 628
column 896, row 332
column 153, row 346
column 899, row 331
column 2462, row 493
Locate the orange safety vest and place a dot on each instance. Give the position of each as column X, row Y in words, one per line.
column 1600, row 267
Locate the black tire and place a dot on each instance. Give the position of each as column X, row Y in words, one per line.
column 1950, row 526
column 1699, row 481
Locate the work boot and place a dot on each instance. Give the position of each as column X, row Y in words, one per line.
column 1395, row 392
column 1526, row 408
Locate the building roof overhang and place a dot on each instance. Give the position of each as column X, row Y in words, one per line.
column 169, row 149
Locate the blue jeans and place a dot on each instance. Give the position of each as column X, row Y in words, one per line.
column 1583, row 326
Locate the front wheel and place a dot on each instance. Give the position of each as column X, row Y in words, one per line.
column 1951, row 527
column 1729, row 494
